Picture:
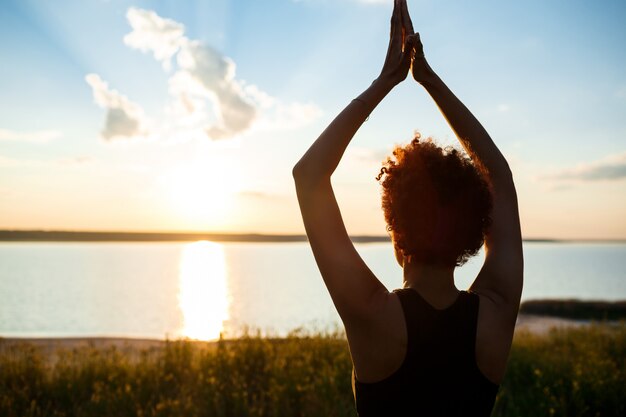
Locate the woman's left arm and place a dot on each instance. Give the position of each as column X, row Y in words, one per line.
column 355, row 290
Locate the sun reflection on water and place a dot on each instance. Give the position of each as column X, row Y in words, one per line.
column 203, row 295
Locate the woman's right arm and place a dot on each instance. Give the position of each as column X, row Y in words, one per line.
column 501, row 277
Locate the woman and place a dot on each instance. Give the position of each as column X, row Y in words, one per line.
column 428, row 348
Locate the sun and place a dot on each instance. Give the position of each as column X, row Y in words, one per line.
column 202, row 192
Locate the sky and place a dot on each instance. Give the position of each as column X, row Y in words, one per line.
column 189, row 115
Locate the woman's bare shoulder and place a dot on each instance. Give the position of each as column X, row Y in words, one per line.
column 378, row 344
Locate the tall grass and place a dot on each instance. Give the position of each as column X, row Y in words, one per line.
column 576, row 372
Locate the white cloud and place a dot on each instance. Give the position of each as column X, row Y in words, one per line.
column 163, row 37
column 215, row 79
column 207, row 98
column 610, row 168
column 124, row 119
column 39, row 136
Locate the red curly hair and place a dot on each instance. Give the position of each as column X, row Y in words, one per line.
column 437, row 203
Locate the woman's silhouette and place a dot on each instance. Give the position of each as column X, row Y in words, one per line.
column 428, row 348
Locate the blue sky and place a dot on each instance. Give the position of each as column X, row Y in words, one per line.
column 97, row 133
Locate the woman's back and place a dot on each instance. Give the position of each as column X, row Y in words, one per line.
column 438, row 375
column 440, row 207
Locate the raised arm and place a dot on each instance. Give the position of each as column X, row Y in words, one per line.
column 501, row 277
column 353, row 287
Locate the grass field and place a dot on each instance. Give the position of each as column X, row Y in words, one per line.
column 569, row 372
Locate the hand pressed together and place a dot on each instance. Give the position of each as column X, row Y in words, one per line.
column 419, row 66
column 401, row 45
column 405, row 51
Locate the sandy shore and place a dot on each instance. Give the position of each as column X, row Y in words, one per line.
column 534, row 324
column 543, row 324
column 49, row 346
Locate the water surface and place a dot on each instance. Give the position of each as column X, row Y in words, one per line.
column 200, row 289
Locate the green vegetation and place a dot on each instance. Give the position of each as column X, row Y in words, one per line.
column 570, row 372
column 575, row 372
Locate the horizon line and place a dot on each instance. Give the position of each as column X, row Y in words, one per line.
column 44, row 235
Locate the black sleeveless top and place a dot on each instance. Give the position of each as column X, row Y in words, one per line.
column 439, row 375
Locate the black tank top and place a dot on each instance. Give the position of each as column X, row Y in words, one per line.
column 439, row 375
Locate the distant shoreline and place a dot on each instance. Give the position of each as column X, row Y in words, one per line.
column 95, row 236
column 72, row 236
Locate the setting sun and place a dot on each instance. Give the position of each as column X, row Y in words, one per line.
column 200, row 192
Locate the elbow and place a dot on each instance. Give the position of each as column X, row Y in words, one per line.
column 299, row 174
column 297, row 171
column 306, row 177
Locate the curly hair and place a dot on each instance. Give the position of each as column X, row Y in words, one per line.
column 436, row 201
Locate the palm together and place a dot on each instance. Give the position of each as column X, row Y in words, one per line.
column 405, row 51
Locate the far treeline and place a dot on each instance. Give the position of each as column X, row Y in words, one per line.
column 576, row 309
column 75, row 236
column 113, row 236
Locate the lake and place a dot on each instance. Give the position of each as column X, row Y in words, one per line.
column 197, row 290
